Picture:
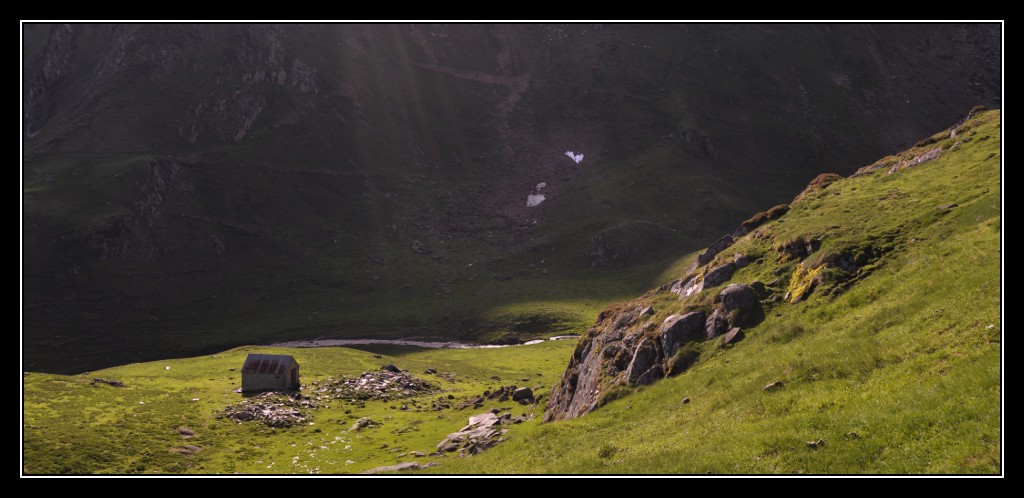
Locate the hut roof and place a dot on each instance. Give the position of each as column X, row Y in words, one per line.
column 267, row 363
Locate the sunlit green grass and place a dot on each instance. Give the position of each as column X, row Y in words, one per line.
column 72, row 426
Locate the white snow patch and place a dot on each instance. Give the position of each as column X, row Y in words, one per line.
column 534, row 200
column 574, row 156
column 541, row 185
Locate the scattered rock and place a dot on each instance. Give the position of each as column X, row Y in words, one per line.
column 523, row 394
column 773, row 386
column 420, row 248
column 398, row 467
column 852, row 435
column 364, row 423
column 430, row 371
column 187, row 449
column 273, row 409
column 734, row 334
column 816, row 444
column 474, row 401
column 111, row 382
column 944, row 207
column 186, row 432
column 686, row 401
column 418, row 454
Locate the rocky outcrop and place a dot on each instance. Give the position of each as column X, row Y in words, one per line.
column 630, row 347
column 128, row 236
column 712, row 251
column 48, row 65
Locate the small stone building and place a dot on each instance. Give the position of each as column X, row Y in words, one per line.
column 269, row 372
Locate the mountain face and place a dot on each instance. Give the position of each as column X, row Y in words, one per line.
column 192, row 187
column 822, row 244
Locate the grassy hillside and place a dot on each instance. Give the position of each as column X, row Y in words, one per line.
column 188, row 189
column 894, row 368
column 898, row 373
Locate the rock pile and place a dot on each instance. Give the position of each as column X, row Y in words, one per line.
column 389, row 383
column 277, row 409
column 482, row 433
column 273, row 409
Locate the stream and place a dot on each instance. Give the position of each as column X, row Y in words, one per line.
column 327, row 343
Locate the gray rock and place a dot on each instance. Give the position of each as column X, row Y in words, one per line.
column 773, row 386
column 398, row 467
column 522, row 394
column 716, row 324
column 738, row 297
column 719, row 275
column 645, row 357
column 420, row 248
column 651, row 376
column 712, row 251
column 483, row 420
column 647, row 310
column 680, row 329
column 944, row 207
column 690, row 286
column 735, row 334
column 363, row 423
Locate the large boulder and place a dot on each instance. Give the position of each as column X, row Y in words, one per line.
column 680, row 329
column 523, row 394
column 738, row 297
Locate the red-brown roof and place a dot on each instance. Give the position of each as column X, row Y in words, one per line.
column 267, row 363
